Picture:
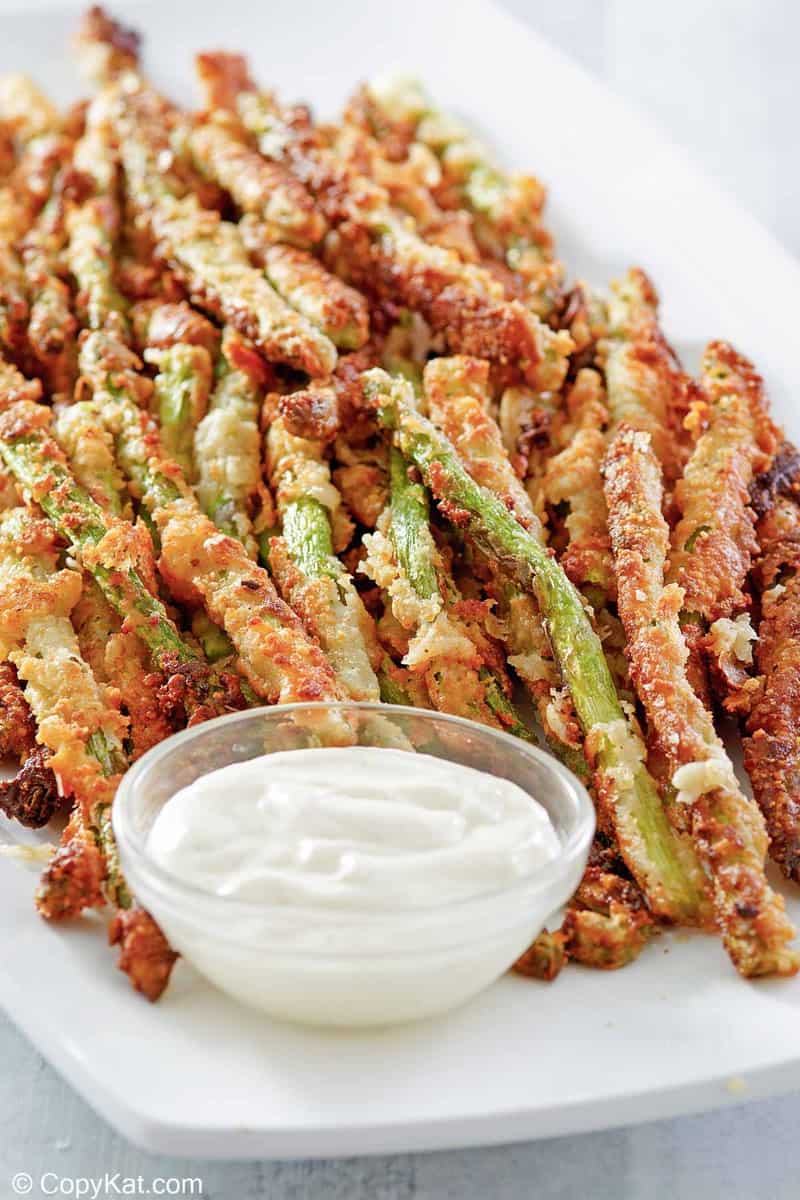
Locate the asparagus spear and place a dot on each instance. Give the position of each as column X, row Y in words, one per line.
column 457, row 393
column 448, row 646
column 75, row 719
column 93, row 226
column 277, row 200
column 227, row 448
column 507, row 209
column 104, row 545
column 727, row 827
column 663, row 865
column 382, row 250
column 181, row 392
column 207, row 253
column 200, row 565
column 308, row 573
column 339, row 311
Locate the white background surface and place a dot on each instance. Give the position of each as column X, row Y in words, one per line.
column 721, row 78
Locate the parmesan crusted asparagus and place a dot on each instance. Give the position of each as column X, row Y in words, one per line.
column 507, row 209
column 380, row 248
column 727, row 827
column 309, row 575
column 200, row 565
column 661, row 861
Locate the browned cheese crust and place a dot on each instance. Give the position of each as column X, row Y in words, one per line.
column 772, row 747
column 145, row 954
column 726, row 827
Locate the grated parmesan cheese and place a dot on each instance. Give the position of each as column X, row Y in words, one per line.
column 734, row 638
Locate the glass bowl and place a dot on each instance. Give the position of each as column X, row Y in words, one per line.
column 344, row 968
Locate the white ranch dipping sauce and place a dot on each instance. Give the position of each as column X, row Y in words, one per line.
column 376, row 884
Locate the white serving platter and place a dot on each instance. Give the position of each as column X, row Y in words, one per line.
column 677, row 1031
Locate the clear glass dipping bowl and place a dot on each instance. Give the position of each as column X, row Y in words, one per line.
column 348, row 968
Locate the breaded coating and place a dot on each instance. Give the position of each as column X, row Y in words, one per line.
column 607, row 923
column 26, row 109
column 207, row 253
column 181, row 391
column 573, row 478
column 119, row 659
column 382, row 252
column 157, row 325
column 89, row 446
column 227, row 447
column 145, row 955
column 310, row 578
column 726, row 827
column 32, row 796
column 17, row 726
column 772, row 747
column 339, row 311
column 104, row 47
column 642, row 377
column 714, row 541
column 278, row 201
column 199, row 564
column 457, row 392
column 507, row 209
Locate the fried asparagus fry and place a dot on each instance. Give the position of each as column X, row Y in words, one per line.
column 379, row 247
column 227, row 448
column 642, row 379
column 279, row 203
column 200, row 565
column 204, row 251
column 93, row 226
column 338, row 311
column 310, row 577
column 181, row 391
column 662, row 863
column 446, row 642
column 506, row 209
column 727, row 828
column 119, row 659
column 78, row 721
column 713, row 542
column 572, row 477
column 772, row 747
column 457, row 393
column 110, row 549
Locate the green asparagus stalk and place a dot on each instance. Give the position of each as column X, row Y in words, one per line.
column 470, row 690
column 227, row 450
column 201, row 566
column 507, row 209
column 76, row 720
column 98, row 540
column 662, row 863
column 182, row 387
column 309, row 575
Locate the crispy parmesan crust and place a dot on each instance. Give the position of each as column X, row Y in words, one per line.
column 457, row 391
column 158, row 325
column 279, row 661
column 714, row 541
column 573, row 476
column 17, row 727
column 265, row 189
column 772, row 747
column 726, row 827
column 144, row 953
column 643, row 384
